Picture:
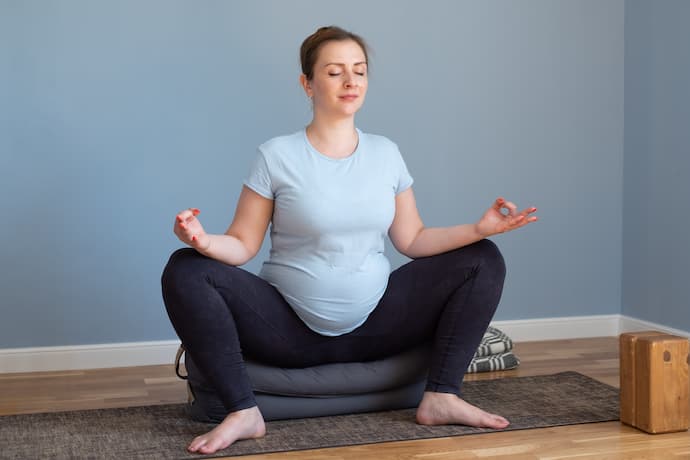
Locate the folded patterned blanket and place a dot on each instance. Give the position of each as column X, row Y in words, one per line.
column 494, row 342
column 494, row 353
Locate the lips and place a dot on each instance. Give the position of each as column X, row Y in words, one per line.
column 349, row 97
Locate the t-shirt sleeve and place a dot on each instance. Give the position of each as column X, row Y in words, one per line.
column 404, row 178
column 259, row 178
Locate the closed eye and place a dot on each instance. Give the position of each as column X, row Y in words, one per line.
column 361, row 74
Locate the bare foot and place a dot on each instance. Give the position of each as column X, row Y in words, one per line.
column 449, row 409
column 243, row 424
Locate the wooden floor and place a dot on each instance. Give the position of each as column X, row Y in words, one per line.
column 597, row 358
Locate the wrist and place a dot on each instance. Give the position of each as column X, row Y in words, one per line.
column 478, row 231
column 203, row 249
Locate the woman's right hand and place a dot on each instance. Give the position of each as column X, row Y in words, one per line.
column 190, row 231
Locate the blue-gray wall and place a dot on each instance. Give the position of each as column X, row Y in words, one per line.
column 656, row 249
column 115, row 115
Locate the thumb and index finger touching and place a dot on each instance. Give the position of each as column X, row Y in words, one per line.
column 183, row 218
column 500, row 204
column 187, row 215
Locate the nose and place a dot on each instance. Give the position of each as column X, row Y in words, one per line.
column 350, row 80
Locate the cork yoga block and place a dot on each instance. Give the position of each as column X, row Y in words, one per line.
column 654, row 384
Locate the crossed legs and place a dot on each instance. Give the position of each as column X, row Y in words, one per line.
column 222, row 313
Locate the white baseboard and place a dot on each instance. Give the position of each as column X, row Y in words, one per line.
column 569, row 327
column 629, row 324
column 87, row 356
column 78, row 357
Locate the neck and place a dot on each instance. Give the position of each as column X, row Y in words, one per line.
column 333, row 138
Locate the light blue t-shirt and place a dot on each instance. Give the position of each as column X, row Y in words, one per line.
column 329, row 221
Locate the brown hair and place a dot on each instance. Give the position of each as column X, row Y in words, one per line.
column 309, row 51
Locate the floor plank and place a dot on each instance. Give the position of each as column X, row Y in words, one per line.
column 595, row 357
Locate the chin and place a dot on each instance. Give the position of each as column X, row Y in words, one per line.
column 351, row 110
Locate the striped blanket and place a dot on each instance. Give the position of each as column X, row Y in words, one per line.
column 494, row 353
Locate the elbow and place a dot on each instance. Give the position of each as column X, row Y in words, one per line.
column 249, row 253
column 243, row 249
column 410, row 246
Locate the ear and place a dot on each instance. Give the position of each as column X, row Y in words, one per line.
column 306, row 85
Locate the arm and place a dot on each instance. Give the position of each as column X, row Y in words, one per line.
column 243, row 238
column 413, row 239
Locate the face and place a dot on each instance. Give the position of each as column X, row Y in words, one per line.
column 339, row 84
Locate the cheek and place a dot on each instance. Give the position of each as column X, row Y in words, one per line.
column 363, row 87
column 322, row 87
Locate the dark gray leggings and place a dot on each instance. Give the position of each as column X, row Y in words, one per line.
column 222, row 313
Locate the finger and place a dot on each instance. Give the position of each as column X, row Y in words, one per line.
column 184, row 215
column 527, row 211
column 180, row 222
column 522, row 220
column 500, row 206
column 528, row 217
column 517, row 220
column 187, row 215
column 511, row 207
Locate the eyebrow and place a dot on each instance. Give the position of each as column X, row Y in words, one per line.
column 342, row 64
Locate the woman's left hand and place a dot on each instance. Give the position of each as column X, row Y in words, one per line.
column 503, row 217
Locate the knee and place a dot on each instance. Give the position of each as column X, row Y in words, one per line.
column 182, row 264
column 490, row 257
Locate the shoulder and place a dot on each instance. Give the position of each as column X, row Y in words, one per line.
column 377, row 141
column 385, row 149
column 282, row 144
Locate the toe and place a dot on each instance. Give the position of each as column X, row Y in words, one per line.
column 496, row 421
column 213, row 446
column 195, row 445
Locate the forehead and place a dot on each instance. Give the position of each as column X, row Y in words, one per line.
column 345, row 51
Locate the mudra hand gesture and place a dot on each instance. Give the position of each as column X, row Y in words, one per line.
column 503, row 217
column 190, row 231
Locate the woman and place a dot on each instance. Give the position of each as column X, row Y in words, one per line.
column 326, row 294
